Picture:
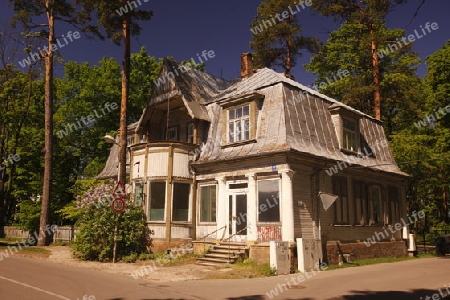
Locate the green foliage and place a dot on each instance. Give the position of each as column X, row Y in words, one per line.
column 278, row 44
column 130, row 258
column 423, row 151
column 348, row 48
column 96, row 224
column 29, row 213
column 106, row 13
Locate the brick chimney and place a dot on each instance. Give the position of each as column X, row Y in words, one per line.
column 246, row 65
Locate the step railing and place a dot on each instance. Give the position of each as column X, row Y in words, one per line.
column 229, row 244
column 204, row 238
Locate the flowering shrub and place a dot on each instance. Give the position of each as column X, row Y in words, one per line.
column 95, row 238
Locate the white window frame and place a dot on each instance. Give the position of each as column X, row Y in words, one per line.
column 265, row 201
column 348, row 144
column 149, row 202
column 189, row 201
column 200, row 206
column 241, row 124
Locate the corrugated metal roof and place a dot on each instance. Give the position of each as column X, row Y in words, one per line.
column 294, row 117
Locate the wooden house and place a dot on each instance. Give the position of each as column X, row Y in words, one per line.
column 260, row 159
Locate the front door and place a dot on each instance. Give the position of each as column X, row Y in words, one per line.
column 237, row 209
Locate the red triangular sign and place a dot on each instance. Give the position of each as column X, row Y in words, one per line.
column 119, row 191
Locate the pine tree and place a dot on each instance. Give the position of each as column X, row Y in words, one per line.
column 276, row 36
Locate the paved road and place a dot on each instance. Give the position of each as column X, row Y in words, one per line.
column 24, row 278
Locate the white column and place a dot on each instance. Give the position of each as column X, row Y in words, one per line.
column 287, row 205
column 252, row 208
column 222, row 207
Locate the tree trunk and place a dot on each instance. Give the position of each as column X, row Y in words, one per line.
column 288, row 59
column 376, row 76
column 124, row 101
column 48, row 123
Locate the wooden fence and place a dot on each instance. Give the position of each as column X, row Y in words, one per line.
column 60, row 234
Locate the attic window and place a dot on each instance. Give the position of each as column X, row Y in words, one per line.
column 238, row 124
column 346, row 126
column 350, row 134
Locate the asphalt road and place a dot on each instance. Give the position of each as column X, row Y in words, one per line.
column 25, row 278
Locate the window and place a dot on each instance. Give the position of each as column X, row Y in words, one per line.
column 180, row 204
column 341, row 207
column 375, row 205
column 139, row 193
column 172, row 134
column 130, row 140
column 157, row 201
column 190, row 133
column 360, row 196
column 208, row 203
column 349, row 139
column 239, row 124
column 268, row 200
column 394, row 204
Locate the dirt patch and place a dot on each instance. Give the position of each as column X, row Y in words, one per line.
column 148, row 270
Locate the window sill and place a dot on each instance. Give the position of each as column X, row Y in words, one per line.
column 350, row 152
column 240, row 143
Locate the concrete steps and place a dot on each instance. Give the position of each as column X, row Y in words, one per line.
column 223, row 253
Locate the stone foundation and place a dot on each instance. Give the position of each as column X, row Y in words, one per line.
column 260, row 254
column 163, row 245
column 337, row 251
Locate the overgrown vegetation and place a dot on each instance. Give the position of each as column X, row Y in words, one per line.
column 245, row 269
column 95, row 239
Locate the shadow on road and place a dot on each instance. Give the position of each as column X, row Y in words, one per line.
column 393, row 295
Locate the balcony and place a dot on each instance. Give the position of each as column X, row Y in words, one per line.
column 160, row 160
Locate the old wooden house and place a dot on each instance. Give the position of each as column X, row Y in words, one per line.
column 260, row 159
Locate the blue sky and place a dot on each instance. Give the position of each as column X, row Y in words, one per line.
column 184, row 28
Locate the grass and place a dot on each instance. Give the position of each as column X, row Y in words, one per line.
column 27, row 251
column 61, row 244
column 8, row 240
column 380, row 260
column 164, row 258
column 244, row 269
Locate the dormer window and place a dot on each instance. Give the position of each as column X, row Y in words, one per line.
column 239, row 119
column 350, row 134
column 346, row 126
column 238, row 124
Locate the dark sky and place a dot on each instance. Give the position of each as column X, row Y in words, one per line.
column 184, row 28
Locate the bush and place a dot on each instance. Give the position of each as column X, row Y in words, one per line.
column 95, row 239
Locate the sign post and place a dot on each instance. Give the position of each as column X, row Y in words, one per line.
column 118, row 205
